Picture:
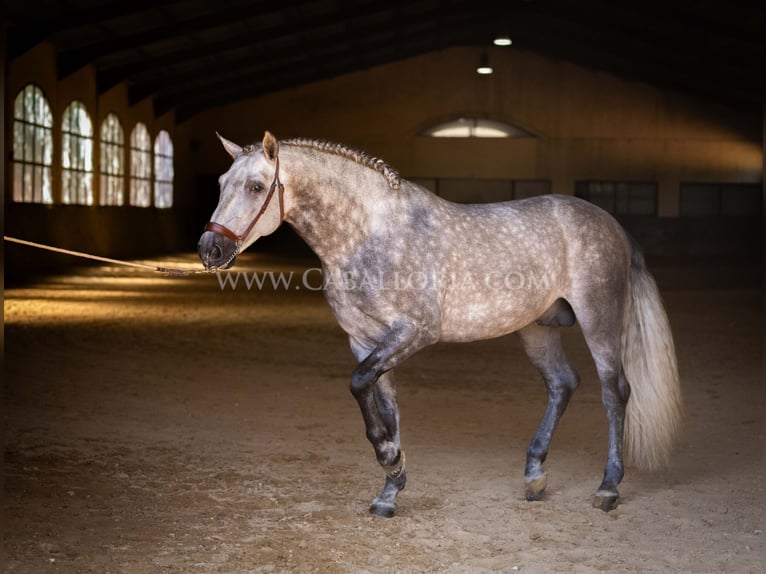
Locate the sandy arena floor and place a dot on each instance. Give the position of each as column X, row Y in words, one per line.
column 167, row 425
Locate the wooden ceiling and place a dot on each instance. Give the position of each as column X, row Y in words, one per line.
column 192, row 55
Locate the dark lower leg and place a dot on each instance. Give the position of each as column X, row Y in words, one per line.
column 372, row 384
column 543, row 346
column 396, row 479
column 614, row 396
column 535, row 479
column 388, row 451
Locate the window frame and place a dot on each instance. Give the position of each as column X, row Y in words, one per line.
column 163, row 170
column 614, row 204
column 111, row 161
column 719, row 193
column 140, row 189
column 38, row 168
column 77, row 155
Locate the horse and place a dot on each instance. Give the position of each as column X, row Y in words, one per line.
column 404, row 269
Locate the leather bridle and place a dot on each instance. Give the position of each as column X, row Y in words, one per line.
column 239, row 239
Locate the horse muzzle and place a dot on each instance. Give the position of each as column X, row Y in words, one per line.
column 217, row 251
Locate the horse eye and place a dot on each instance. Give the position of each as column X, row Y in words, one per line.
column 254, row 187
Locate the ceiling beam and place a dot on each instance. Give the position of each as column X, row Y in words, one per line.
column 27, row 34
column 256, row 61
column 109, row 77
column 197, row 52
column 139, row 72
column 374, row 54
column 72, row 60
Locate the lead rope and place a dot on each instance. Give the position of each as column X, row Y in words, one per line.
column 166, row 270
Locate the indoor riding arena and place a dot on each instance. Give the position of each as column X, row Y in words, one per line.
column 169, row 409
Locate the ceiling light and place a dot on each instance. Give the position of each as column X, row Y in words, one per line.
column 484, row 68
column 502, row 41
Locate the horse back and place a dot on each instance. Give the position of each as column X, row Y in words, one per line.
column 506, row 263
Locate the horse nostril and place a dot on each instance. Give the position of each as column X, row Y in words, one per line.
column 216, row 250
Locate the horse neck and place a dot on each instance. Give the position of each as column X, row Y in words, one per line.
column 335, row 203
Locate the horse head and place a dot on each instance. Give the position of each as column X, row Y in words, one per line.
column 250, row 206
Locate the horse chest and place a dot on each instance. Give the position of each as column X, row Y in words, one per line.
column 366, row 305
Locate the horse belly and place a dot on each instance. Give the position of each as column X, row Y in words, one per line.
column 488, row 313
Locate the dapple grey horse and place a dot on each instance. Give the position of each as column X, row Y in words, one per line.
column 404, row 268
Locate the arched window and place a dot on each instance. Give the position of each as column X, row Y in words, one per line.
column 163, row 170
column 140, row 166
column 32, row 147
column 112, row 169
column 475, row 128
column 76, row 155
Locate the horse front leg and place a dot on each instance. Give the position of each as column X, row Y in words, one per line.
column 372, row 384
column 376, row 396
column 387, row 446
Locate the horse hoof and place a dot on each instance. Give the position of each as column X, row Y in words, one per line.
column 382, row 508
column 534, row 488
column 606, row 500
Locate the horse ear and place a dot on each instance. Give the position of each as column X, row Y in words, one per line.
column 270, row 146
column 233, row 149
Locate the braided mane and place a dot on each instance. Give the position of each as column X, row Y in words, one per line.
column 360, row 157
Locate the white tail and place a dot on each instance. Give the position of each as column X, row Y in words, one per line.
column 649, row 363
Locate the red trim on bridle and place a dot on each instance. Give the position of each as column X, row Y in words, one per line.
column 238, row 239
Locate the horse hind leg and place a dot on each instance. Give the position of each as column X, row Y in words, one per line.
column 614, row 395
column 544, row 349
column 602, row 335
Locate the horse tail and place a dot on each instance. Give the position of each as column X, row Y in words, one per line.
column 653, row 411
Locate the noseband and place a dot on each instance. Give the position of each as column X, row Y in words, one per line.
column 238, row 239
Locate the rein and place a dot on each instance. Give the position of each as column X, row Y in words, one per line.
column 166, row 270
column 239, row 239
